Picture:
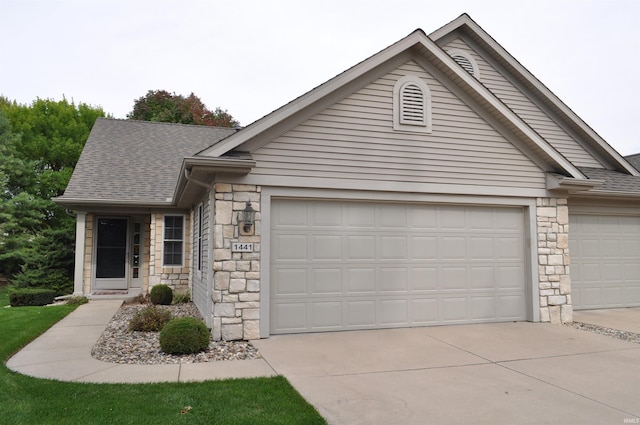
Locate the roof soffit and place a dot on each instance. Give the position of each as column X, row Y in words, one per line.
column 469, row 28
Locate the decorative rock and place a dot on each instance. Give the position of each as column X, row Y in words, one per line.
column 118, row 345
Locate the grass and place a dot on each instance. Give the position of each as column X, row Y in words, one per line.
column 26, row 400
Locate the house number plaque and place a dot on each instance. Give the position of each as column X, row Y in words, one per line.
column 241, row 247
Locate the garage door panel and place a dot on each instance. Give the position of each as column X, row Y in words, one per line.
column 453, row 278
column 393, row 279
column 360, row 216
column 360, row 247
column 510, row 306
column 481, row 248
column 452, row 247
column 424, row 311
column 361, row 280
column 327, row 314
column 509, row 277
column 509, row 248
column 326, row 281
column 392, row 247
column 290, row 282
column 424, row 247
column 394, row 265
column 423, row 279
column 291, row 317
column 393, row 312
column 291, row 247
column 422, row 219
column 605, row 260
column 452, row 218
column 483, row 278
column 361, row 313
column 454, row 309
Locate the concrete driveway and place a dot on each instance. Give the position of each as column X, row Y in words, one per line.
column 508, row 373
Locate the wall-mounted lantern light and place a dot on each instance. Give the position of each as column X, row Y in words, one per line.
column 248, row 215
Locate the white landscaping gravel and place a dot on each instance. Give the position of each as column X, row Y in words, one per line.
column 118, row 345
column 615, row 333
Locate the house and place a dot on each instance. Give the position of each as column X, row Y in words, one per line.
column 436, row 182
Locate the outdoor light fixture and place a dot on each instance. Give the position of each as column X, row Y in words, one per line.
column 248, row 215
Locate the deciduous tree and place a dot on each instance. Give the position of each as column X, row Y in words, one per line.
column 40, row 145
column 162, row 106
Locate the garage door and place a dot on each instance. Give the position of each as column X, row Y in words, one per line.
column 352, row 265
column 605, row 261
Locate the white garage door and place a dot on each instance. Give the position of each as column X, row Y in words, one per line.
column 353, row 265
column 605, row 261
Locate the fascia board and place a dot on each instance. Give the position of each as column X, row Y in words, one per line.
column 536, row 84
column 314, row 95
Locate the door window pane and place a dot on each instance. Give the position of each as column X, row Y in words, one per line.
column 111, row 249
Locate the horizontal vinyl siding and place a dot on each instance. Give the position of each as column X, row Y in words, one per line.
column 200, row 278
column 354, row 139
column 528, row 111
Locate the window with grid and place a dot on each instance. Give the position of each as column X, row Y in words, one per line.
column 173, row 240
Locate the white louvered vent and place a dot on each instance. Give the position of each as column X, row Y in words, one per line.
column 412, row 105
column 465, row 63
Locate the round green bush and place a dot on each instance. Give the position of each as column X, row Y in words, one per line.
column 161, row 294
column 184, row 335
column 149, row 319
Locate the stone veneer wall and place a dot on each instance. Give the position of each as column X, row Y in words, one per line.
column 236, row 282
column 88, row 253
column 176, row 277
column 552, row 219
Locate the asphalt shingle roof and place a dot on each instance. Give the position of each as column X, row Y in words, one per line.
column 126, row 160
column 634, row 160
column 614, row 181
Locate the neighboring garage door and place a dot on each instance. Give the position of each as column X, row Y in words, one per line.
column 357, row 265
column 605, row 261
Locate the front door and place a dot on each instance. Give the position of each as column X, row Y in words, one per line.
column 111, row 254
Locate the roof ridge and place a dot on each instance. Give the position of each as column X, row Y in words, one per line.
column 169, row 123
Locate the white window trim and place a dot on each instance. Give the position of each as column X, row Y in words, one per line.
column 184, row 241
column 467, row 56
column 426, row 126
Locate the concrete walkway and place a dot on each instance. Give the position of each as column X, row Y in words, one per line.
column 501, row 373
column 64, row 353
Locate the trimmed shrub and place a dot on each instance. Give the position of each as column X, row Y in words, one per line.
column 77, row 300
column 31, row 297
column 181, row 297
column 161, row 294
column 149, row 319
column 184, row 335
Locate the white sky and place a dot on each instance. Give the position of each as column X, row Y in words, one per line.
column 251, row 57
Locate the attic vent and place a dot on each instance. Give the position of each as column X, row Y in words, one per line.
column 466, row 61
column 411, row 105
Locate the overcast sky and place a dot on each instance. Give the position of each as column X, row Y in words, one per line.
column 251, row 57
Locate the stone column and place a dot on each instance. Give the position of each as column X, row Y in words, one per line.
column 236, row 282
column 78, row 273
column 552, row 219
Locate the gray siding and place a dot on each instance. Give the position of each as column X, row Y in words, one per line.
column 200, row 295
column 354, row 139
column 530, row 113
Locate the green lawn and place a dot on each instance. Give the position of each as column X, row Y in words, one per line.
column 25, row 400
